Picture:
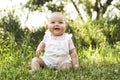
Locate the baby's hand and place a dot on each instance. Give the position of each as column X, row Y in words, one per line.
column 76, row 66
column 37, row 53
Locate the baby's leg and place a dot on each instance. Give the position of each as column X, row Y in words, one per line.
column 66, row 65
column 37, row 63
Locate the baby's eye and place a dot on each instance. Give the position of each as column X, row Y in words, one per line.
column 53, row 22
column 60, row 22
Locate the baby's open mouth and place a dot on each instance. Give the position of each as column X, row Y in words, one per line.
column 56, row 28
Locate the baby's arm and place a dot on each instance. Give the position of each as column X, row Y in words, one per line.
column 40, row 47
column 74, row 58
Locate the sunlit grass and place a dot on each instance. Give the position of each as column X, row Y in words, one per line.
column 99, row 55
column 95, row 64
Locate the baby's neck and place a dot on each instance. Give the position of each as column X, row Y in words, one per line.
column 57, row 35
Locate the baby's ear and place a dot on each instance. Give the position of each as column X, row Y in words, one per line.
column 46, row 26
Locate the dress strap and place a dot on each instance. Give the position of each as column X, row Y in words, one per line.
column 68, row 36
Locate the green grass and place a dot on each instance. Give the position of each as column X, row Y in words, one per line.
column 86, row 71
column 95, row 64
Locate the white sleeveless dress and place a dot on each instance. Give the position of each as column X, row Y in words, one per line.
column 56, row 52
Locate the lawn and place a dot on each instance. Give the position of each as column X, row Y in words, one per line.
column 95, row 64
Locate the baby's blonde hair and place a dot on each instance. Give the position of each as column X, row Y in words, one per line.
column 57, row 13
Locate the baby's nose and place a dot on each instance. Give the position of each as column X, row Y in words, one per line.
column 56, row 23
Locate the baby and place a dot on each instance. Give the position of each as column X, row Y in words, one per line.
column 59, row 49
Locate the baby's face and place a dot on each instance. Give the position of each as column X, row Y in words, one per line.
column 56, row 24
